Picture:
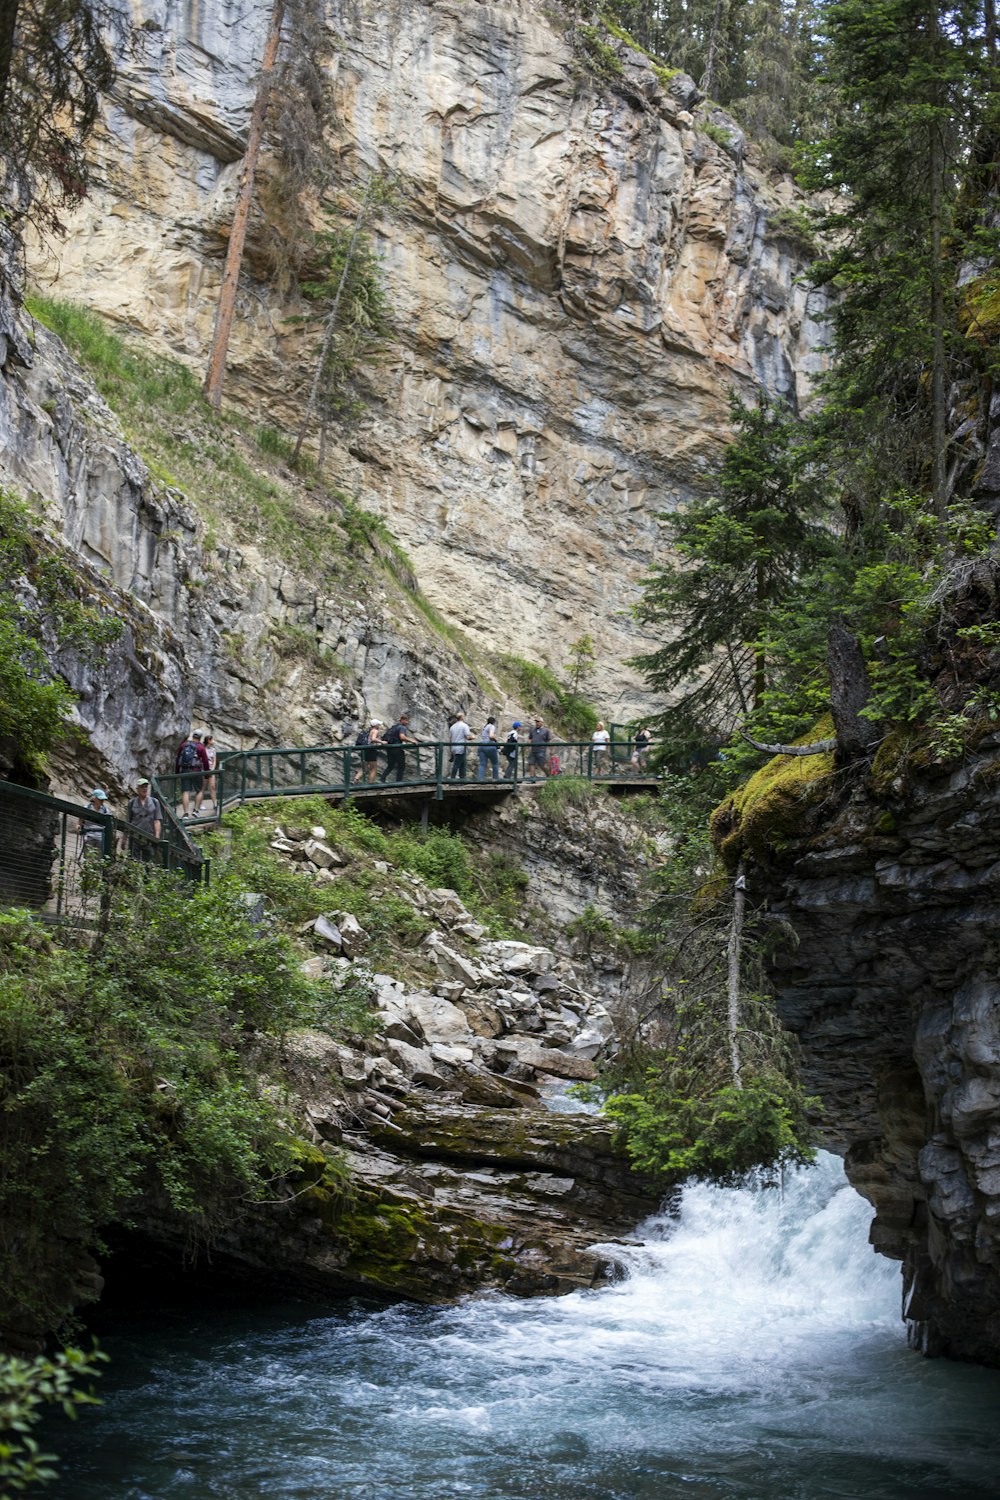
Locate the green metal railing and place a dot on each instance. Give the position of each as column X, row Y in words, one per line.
column 54, row 853
column 361, row 771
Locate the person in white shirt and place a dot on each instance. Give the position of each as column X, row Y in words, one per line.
column 601, row 752
column 459, row 734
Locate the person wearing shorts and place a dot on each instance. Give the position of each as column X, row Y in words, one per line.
column 539, row 740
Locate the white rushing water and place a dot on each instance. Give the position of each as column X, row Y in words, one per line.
column 754, row 1350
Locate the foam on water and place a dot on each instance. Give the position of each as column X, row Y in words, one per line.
column 753, row 1349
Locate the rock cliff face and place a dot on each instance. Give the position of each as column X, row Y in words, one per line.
column 577, row 275
column 889, row 888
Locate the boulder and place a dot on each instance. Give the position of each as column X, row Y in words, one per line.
column 438, row 1019
column 328, row 932
column 354, row 938
column 416, row 1062
column 321, row 855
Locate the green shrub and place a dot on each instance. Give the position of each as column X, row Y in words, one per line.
column 560, row 793
column 34, row 703
column 722, row 1138
column 135, row 1066
column 27, row 1386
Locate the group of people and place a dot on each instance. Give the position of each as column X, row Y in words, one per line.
column 143, row 813
column 541, row 759
column 195, row 764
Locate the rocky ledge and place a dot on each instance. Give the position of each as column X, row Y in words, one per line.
column 432, row 1160
column 883, row 889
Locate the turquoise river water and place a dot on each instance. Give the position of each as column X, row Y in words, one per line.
column 753, row 1352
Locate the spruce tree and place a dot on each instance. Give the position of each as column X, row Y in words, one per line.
column 914, row 78
column 740, row 553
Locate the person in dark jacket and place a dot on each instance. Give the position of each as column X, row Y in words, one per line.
column 396, row 736
column 192, row 765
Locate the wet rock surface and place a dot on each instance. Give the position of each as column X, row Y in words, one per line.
column 890, row 892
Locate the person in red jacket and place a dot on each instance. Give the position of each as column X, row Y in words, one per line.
column 192, row 765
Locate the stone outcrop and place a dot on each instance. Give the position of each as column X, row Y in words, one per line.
column 885, row 902
column 577, row 275
column 432, row 1166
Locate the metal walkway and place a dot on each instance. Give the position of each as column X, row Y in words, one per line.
column 423, row 771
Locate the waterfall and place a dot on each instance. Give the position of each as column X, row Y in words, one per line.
column 752, row 1350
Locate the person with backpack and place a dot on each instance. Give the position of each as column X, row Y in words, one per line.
column 539, row 740
column 459, row 735
column 144, row 813
column 489, row 755
column 366, row 744
column 640, row 746
column 511, row 746
column 191, row 765
column 396, row 736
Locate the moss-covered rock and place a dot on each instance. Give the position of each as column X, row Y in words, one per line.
column 762, row 815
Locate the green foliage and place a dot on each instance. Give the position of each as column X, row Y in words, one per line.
column 741, row 553
column 58, row 59
column 600, row 56
column 558, row 795
column 540, row 687
column 135, row 1067
column 27, row 1386
column 725, row 1137
column 918, row 85
column 42, row 594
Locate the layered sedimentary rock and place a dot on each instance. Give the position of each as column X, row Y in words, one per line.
column 577, row 274
column 883, row 888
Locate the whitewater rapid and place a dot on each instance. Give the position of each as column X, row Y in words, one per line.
column 753, row 1349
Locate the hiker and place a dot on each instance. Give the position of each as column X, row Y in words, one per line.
column 459, row 735
column 510, row 748
column 191, row 764
column 396, row 736
column 539, row 740
column 489, row 755
column 92, row 834
column 640, row 746
column 143, row 812
column 599, row 755
column 367, row 742
column 212, row 755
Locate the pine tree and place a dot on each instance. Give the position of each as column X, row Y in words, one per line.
column 740, row 554
column 915, row 79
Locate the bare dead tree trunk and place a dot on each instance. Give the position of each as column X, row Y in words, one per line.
column 939, row 398
column 849, row 692
column 331, row 322
column 733, row 985
column 241, row 215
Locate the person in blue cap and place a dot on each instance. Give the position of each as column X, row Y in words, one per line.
column 510, row 746
column 92, row 834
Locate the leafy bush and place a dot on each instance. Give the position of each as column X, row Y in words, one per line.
column 135, row 1067
column 26, row 1387
column 539, row 687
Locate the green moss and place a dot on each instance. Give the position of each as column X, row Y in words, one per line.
column 980, row 311
column 764, row 813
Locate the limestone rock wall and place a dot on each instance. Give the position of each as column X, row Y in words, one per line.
column 576, row 275
column 200, row 616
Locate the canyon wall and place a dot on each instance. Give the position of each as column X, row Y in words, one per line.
column 879, row 888
column 578, row 272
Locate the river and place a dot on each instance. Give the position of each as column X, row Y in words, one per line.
column 753, row 1352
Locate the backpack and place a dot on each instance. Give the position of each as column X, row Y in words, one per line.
column 555, row 769
column 512, row 738
column 362, row 738
column 394, row 735
column 190, row 760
